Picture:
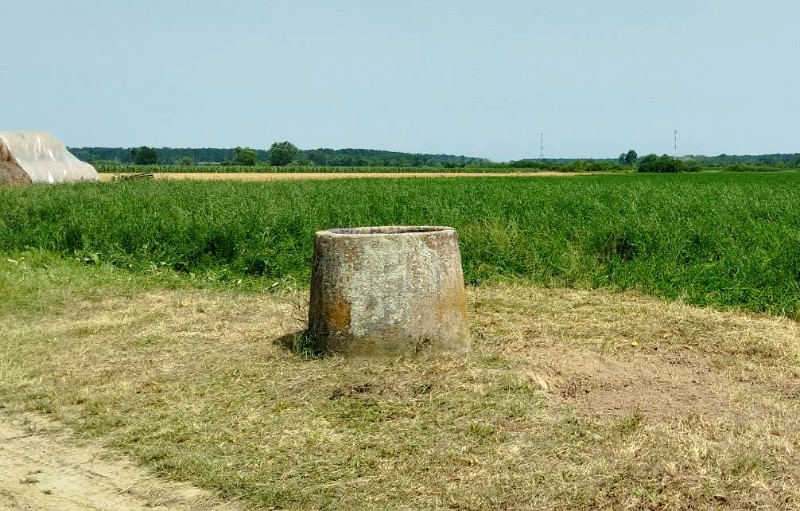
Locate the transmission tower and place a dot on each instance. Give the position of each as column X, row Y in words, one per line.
column 541, row 146
column 676, row 143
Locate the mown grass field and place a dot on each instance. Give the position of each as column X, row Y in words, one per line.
column 710, row 239
column 553, row 408
column 160, row 318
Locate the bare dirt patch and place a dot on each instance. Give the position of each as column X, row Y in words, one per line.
column 657, row 386
column 617, row 354
column 43, row 468
column 293, row 176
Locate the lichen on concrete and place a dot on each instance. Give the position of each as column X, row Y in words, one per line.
column 401, row 286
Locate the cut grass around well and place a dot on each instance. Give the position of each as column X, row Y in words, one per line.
column 552, row 409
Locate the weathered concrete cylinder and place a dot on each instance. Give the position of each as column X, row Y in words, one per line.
column 388, row 290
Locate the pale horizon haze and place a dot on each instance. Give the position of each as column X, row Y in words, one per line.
column 478, row 78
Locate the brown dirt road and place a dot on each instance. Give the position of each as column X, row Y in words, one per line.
column 296, row 176
column 42, row 468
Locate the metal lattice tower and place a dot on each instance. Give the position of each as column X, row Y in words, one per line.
column 676, row 143
column 541, row 146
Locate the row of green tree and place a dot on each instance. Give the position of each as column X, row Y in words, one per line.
column 285, row 153
column 667, row 164
column 768, row 160
column 663, row 164
column 279, row 154
column 722, row 160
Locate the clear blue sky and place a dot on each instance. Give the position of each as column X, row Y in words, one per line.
column 481, row 78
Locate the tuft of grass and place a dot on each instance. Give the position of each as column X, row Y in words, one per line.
column 305, row 345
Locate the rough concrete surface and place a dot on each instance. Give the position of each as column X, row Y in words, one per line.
column 388, row 290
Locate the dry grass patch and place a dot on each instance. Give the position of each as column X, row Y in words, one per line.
column 611, row 353
column 297, row 176
column 554, row 408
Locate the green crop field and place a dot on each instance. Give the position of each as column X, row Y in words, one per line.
column 710, row 239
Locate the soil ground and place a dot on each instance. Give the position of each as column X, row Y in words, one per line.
column 43, row 468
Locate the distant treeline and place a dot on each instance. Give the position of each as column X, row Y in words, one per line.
column 759, row 160
column 317, row 157
column 568, row 165
column 378, row 158
column 690, row 163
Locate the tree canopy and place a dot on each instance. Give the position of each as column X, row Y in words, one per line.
column 144, row 156
column 323, row 157
column 282, row 153
column 245, row 156
column 661, row 164
column 629, row 158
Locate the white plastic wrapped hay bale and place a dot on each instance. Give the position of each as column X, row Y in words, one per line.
column 33, row 156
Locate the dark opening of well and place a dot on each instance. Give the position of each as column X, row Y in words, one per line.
column 386, row 230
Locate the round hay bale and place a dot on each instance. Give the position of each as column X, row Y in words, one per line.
column 42, row 158
column 10, row 173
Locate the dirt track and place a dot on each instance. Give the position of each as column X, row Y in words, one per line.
column 289, row 176
column 42, row 469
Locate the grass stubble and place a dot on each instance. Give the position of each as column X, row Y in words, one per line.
column 554, row 407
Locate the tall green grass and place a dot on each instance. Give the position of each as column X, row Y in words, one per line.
column 711, row 239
